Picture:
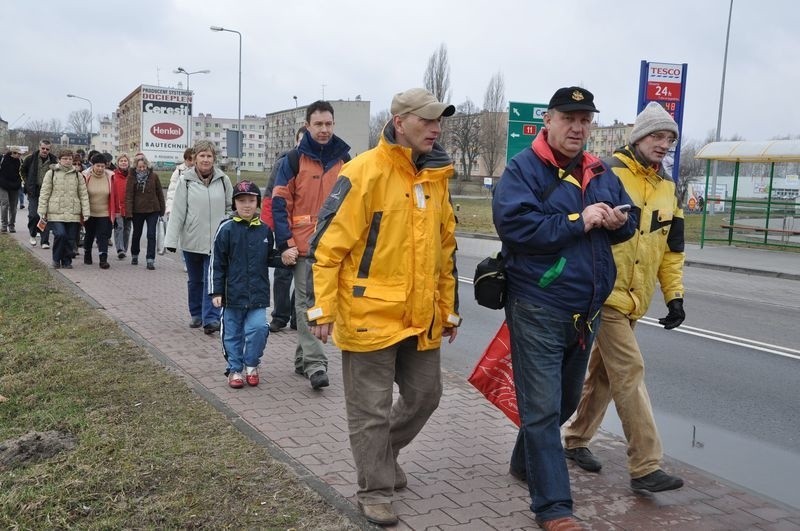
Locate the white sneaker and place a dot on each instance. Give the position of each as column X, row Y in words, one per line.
column 45, row 246
column 33, row 241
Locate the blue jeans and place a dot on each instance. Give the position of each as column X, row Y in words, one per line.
column 549, row 354
column 151, row 218
column 197, row 284
column 244, row 336
column 63, row 235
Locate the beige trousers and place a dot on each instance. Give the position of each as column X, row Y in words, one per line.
column 616, row 371
column 378, row 428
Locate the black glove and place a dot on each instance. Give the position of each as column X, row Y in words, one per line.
column 675, row 316
column 171, row 249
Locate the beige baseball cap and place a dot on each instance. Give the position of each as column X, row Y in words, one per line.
column 420, row 102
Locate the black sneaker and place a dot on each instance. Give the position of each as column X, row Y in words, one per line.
column 319, row 379
column 657, row 481
column 583, row 458
column 134, row 260
column 211, row 328
column 87, row 259
column 120, row 255
column 276, row 325
column 196, row 322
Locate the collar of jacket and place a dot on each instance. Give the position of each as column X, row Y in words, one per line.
column 437, row 158
column 627, row 155
column 255, row 221
column 333, row 151
column 191, row 174
column 591, row 165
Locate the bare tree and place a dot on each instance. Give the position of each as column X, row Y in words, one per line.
column 437, row 74
column 376, row 125
column 464, row 134
column 80, row 121
column 494, row 122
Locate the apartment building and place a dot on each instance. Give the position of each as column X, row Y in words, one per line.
column 605, row 139
column 206, row 127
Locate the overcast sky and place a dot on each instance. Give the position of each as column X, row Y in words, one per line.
column 103, row 50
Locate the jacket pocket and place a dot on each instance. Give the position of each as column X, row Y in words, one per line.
column 377, row 310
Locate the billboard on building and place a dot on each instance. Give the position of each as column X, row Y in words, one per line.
column 166, row 114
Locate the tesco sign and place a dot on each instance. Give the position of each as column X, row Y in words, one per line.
column 671, row 73
column 166, row 131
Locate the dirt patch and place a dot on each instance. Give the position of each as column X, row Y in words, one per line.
column 34, row 446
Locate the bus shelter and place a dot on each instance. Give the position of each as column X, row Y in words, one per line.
column 766, row 213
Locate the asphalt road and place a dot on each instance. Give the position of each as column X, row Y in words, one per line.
column 723, row 385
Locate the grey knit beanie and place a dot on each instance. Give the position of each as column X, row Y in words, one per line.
column 653, row 118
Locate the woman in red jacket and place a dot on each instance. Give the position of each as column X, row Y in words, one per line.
column 122, row 224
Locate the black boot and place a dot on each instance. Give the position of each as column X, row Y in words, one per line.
column 104, row 261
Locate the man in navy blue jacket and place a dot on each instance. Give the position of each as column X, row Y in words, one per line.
column 557, row 211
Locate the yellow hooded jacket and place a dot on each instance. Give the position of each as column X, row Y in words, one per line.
column 383, row 255
column 656, row 250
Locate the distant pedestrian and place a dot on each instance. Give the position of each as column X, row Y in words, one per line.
column 202, row 201
column 63, row 203
column 32, row 171
column 383, row 267
column 296, row 200
column 239, row 283
column 122, row 223
column 102, row 204
column 655, row 254
column 10, row 185
column 144, row 203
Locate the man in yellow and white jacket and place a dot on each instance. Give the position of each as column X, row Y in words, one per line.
column 384, row 271
column 656, row 252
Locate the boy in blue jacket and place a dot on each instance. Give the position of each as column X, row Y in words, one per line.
column 239, row 283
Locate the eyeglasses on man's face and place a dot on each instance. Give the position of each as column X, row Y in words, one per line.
column 660, row 137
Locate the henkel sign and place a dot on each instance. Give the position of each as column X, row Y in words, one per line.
column 166, row 131
column 166, row 116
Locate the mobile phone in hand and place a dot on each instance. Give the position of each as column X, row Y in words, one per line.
column 624, row 208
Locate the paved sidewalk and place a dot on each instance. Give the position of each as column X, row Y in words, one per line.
column 457, row 467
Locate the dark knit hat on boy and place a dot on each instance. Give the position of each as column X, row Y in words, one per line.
column 98, row 158
column 653, row 118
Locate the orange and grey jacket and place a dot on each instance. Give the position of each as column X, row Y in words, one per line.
column 296, row 199
column 383, row 256
column 656, row 249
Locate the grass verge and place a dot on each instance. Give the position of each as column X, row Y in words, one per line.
column 150, row 453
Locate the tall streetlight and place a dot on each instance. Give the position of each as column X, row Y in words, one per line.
column 240, row 136
column 295, row 101
column 181, row 70
column 91, row 112
column 721, row 97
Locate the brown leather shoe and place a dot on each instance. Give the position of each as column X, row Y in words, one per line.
column 565, row 523
column 379, row 513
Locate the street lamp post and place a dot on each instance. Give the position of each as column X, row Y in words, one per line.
column 181, row 70
column 91, row 112
column 721, row 97
column 240, row 136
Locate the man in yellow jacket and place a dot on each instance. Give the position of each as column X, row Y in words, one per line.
column 616, row 367
column 384, row 272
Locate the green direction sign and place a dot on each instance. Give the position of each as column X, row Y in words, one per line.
column 525, row 120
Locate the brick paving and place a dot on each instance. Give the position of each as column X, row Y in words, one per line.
column 457, row 467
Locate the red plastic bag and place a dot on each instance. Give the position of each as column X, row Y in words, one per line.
column 493, row 376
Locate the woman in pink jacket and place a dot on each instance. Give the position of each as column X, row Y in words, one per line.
column 102, row 206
